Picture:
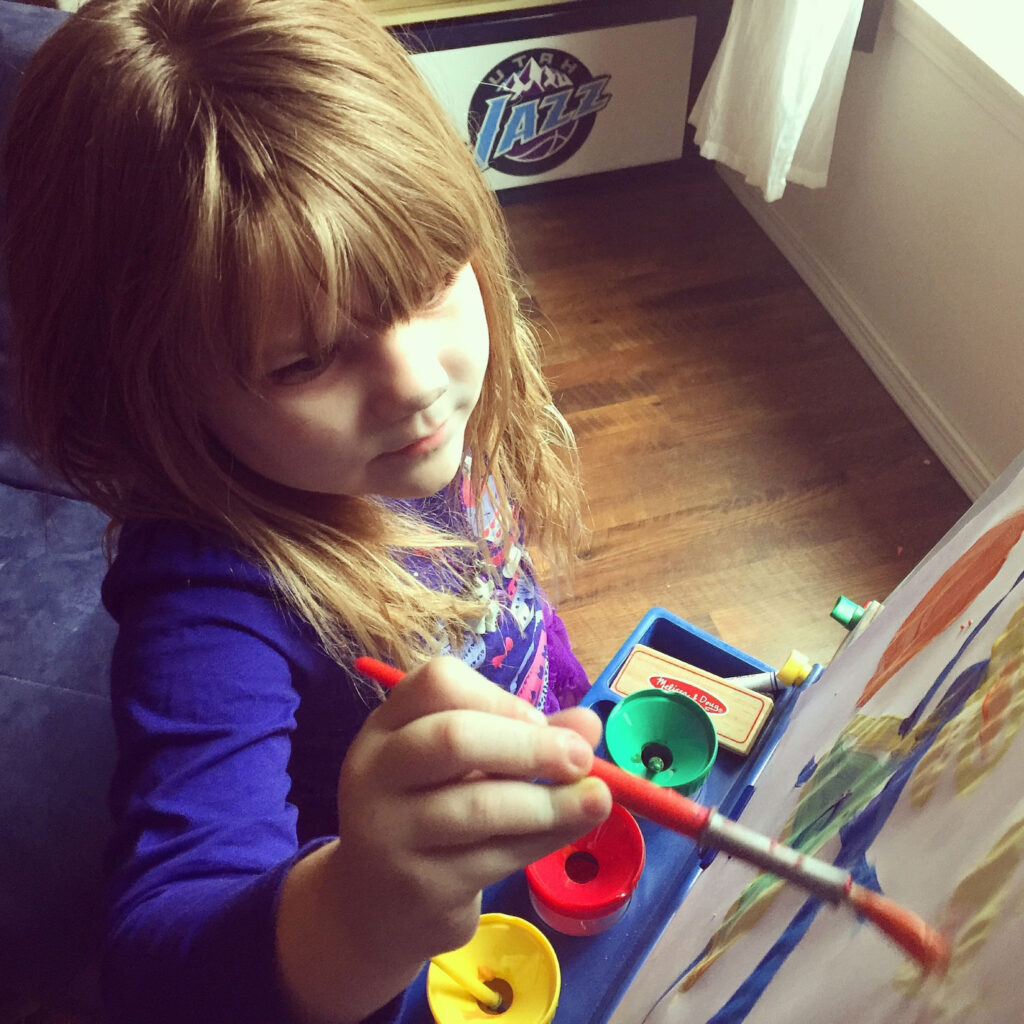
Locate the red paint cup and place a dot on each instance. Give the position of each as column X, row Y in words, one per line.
column 586, row 887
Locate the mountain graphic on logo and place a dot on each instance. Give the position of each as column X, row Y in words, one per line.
column 534, row 79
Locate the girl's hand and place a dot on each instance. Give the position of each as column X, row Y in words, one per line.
column 437, row 800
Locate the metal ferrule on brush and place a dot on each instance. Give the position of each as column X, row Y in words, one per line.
column 821, row 879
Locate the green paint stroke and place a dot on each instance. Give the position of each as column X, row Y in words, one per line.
column 857, row 766
column 860, row 762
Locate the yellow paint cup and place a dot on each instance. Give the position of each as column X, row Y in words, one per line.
column 510, row 955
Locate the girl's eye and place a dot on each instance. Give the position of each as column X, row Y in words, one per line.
column 305, row 369
column 442, row 292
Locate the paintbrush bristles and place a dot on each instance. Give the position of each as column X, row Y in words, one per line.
column 928, row 947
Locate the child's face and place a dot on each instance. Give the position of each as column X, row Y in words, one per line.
column 384, row 413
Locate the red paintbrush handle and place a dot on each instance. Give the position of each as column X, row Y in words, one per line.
column 664, row 806
column 378, row 671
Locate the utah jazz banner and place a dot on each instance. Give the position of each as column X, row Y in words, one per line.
column 561, row 106
column 534, row 110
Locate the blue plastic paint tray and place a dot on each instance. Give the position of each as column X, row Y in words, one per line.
column 597, row 969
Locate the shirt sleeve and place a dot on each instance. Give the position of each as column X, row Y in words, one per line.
column 204, row 705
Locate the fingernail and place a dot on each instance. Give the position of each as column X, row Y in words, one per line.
column 580, row 755
column 593, row 797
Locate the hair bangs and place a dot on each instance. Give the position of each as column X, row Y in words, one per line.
column 331, row 181
column 340, row 266
column 274, row 269
column 386, row 238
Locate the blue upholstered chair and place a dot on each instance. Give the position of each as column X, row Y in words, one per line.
column 56, row 739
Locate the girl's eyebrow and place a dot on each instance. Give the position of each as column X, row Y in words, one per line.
column 279, row 348
column 305, row 343
column 356, row 322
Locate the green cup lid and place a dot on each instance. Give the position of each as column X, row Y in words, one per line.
column 846, row 612
column 664, row 737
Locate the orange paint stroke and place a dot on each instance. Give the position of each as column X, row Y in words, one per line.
column 947, row 600
column 994, row 706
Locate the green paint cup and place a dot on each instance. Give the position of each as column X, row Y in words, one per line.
column 664, row 737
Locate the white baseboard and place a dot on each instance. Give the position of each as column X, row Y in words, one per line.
column 948, row 444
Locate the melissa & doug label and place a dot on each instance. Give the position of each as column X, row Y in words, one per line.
column 738, row 714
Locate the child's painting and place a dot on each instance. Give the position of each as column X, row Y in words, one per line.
column 904, row 763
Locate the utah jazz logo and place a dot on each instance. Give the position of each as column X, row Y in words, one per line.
column 533, row 111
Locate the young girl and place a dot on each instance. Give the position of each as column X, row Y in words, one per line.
column 266, row 324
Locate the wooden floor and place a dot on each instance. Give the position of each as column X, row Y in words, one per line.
column 743, row 466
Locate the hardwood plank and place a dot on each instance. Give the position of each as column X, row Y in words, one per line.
column 742, row 465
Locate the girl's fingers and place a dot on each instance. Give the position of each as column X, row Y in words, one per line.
column 481, row 863
column 447, row 746
column 447, row 684
column 581, row 720
column 496, row 810
column 445, row 721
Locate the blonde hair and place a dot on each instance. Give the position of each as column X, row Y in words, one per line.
column 168, row 164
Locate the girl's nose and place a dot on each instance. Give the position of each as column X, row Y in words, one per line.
column 406, row 371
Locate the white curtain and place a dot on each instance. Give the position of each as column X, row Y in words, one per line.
column 769, row 105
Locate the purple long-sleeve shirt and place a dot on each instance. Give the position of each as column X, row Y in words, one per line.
column 232, row 725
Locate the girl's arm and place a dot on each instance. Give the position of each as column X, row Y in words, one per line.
column 436, row 801
column 206, row 681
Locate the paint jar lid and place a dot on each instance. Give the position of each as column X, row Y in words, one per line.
column 846, row 612
column 509, row 948
column 596, row 874
column 795, row 669
column 664, row 737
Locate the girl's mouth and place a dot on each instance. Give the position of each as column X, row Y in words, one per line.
column 423, row 446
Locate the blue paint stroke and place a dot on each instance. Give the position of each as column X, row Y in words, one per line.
column 806, row 772
column 744, row 998
column 855, row 838
column 742, row 1001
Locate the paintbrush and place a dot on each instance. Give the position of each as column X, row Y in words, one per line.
column 489, row 998
column 708, row 828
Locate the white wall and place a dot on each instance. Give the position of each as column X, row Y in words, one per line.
column 916, row 246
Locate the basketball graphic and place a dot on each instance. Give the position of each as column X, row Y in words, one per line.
column 534, row 110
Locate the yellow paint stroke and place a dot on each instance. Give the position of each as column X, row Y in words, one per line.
column 848, row 777
column 981, row 898
column 947, row 600
column 979, row 737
